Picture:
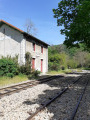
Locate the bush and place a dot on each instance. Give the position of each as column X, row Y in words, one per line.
column 34, row 74
column 54, row 66
column 8, row 67
column 57, row 61
column 22, row 69
column 72, row 64
column 10, row 75
column 26, row 69
column 62, row 68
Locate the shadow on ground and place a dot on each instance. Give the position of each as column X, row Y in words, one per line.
column 59, row 112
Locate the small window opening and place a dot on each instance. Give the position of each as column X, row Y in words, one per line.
column 33, row 46
column 41, row 49
column 4, row 31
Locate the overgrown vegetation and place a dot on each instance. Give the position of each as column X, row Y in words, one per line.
column 26, row 69
column 9, row 67
column 4, row 80
column 61, row 58
column 34, row 74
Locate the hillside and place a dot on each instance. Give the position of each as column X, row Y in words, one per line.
column 61, row 57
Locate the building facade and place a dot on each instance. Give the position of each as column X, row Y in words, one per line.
column 14, row 41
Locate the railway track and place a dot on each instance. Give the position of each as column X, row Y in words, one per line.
column 19, row 87
column 57, row 96
column 78, row 103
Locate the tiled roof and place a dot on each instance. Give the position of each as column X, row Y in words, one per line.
column 4, row 22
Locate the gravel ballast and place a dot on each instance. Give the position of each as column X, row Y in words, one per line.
column 17, row 105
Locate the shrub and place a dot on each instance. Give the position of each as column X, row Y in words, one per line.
column 28, row 63
column 26, row 69
column 58, row 61
column 72, row 64
column 10, row 75
column 34, row 74
column 22, row 69
column 62, row 68
column 54, row 66
column 8, row 67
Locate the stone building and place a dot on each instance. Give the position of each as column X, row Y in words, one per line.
column 14, row 41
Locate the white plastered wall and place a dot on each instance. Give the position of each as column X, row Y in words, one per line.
column 12, row 43
column 38, row 55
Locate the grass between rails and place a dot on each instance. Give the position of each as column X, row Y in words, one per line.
column 4, row 81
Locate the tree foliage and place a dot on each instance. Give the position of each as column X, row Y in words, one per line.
column 57, row 58
column 68, row 58
column 75, row 16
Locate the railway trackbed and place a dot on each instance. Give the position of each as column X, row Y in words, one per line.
column 58, row 95
column 78, row 103
column 16, row 88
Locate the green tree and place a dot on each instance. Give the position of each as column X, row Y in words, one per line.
column 61, row 57
column 54, row 62
column 82, row 58
column 75, row 16
column 72, row 64
column 57, row 61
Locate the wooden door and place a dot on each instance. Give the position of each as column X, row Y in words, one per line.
column 41, row 65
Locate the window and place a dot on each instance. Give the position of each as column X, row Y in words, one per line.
column 41, row 49
column 33, row 46
column 4, row 31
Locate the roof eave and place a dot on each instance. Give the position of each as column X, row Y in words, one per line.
column 36, row 39
column 21, row 31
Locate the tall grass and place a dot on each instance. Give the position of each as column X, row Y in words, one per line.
column 4, row 81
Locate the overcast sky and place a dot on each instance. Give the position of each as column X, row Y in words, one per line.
column 40, row 12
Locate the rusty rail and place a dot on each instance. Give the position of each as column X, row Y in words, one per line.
column 45, row 105
column 13, row 89
column 79, row 101
column 53, row 99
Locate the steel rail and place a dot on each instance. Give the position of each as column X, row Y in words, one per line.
column 17, row 89
column 79, row 101
column 53, row 99
column 26, row 83
column 45, row 105
column 31, row 84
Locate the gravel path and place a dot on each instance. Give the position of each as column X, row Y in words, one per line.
column 16, row 106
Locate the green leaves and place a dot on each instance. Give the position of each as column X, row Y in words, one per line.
column 74, row 15
column 57, row 57
column 61, row 57
column 8, row 67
